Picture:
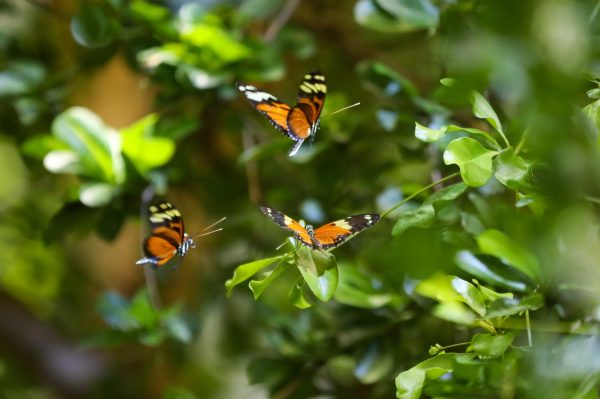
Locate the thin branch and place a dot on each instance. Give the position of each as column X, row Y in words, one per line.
column 419, row 192
column 280, row 20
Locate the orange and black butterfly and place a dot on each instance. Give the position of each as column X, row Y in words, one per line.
column 167, row 237
column 329, row 235
column 299, row 122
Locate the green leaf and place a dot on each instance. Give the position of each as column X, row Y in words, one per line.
column 498, row 244
column 474, row 161
column 469, row 294
column 428, row 135
column 394, row 16
column 448, row 193
column 247, row 270
column 470, row 263
column 423, row 216
column 258, row 286
column 143, row 150
column 296, row 296
column 415, row 14
column 488, row 346
column 475, row 132
column 482, row 109
column 503, row 307
column 511, row 168
column 91, row 27
column 386, row 80
column 319, row 270
column 223, row 46
column 374, row 364
column 97, row 147
column 357, row 289
column 410, row 383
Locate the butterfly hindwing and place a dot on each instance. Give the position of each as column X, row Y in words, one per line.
column 336, row 233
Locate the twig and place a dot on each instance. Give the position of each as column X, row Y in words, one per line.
column 280, row 20
column 413, row 195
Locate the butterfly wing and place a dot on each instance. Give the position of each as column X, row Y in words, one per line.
column 268, row 105
column 334, row 234
column 167, row 234
column 303, row 119
column 289, row 224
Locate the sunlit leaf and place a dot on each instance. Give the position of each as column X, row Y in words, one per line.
column 474, row 161
column 448, row 193
column 511, row 168
column 319, row 270
column 258, row 286
column 296, row 296
column 144, row 150
column 410, row 383
column 490, row 345
column 247, row 270
column 395, row 16
column 96, row 194
column 483, row 109
column 470, row 295
column 503, row 307
column 470, row 263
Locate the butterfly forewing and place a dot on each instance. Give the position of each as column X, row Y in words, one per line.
column 336, row 233
column 288, row 223
column 268, row 105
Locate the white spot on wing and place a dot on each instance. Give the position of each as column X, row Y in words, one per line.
column 258, row 96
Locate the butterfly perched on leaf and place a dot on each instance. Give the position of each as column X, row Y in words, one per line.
column 299, row 122
column 329, row 235
column 167, row 236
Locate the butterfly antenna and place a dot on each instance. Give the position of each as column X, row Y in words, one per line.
column 205, row 233
column 214, row 224
column 342, row 109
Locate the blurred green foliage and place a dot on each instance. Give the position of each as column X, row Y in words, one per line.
column 476, row 140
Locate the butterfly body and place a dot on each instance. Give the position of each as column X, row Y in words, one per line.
column 299, row 122
column 168, row 237
column 329, row 235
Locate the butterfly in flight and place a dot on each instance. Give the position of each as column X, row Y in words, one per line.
column 329, row 235
column 167, row 237
column 299, row 122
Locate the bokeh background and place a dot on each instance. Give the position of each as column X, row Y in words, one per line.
column 476, row 138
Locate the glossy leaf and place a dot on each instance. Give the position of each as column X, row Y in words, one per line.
column 296, row 296
column 498, row 244
column 470, row 295
column 470, row 263
column 511, row 169
column 447, row 193
column 410, row 383
column 474, row 161
column 247, row 270
column 258, row 286
column 427, row 134
column 396, row 16
column 503, row 307
column 92, row 27
column 423, row 216
column 483, row 109
column 488, row 346
column 319, row 270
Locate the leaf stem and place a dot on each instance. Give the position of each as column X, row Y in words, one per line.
column 419, row 192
